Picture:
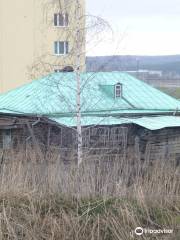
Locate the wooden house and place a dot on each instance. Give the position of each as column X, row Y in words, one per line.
column 122, row 117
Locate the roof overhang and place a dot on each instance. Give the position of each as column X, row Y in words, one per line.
column 151, row 123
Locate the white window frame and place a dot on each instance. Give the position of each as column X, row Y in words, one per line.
column 118, row 90
column 65, row 48
column 57, row 20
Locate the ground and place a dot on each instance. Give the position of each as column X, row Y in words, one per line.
column 172, row 91
column 47, row 200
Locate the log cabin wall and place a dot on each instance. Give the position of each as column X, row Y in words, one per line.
column 127, row 142
column 161, row 144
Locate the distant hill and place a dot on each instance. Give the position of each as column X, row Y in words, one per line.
column 133, row 63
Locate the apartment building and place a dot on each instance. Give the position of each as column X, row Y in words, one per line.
column 38, row 37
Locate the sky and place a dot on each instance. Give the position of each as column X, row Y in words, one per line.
column 140, row 27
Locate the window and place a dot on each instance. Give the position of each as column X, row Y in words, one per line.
column 65, row 69
column 61, row 48
column 61, row 20
column 6, row 135
column 118, row 90
column 57, row 70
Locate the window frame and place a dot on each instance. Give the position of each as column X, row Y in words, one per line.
column 118, row 90
column 57, row 20
column 57, row 48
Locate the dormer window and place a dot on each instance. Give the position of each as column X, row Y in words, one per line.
column 118, row 90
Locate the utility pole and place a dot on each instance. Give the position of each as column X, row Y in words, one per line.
column 78, row 47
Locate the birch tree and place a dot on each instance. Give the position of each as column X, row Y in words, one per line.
column 78, row 79
column 92, row 29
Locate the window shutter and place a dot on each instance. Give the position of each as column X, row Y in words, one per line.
column 6, row 139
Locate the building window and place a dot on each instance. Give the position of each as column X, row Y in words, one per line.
column 118, row 90
column 65, row 69
column 57, row 70
column 61, row 20
column 6, row 137
column 61, row 48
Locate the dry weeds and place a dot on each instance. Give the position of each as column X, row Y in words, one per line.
column 98, row 201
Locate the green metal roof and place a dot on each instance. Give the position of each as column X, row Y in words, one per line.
column 151, row 123
column 155, row 123
column 56, row 95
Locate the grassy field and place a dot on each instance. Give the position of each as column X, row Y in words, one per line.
column 172, row 91
column 99, row 201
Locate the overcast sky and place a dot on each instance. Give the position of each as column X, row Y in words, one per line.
column 142, row 27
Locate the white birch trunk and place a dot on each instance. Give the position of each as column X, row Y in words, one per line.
column 78, row 81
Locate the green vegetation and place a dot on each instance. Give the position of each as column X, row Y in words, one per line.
column 47, row 217
column 172, row 91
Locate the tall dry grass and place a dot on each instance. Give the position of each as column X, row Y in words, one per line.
column 45, row 199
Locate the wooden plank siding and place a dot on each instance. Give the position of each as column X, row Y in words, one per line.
column 109, row 143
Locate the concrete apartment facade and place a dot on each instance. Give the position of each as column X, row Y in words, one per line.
column 38, row 37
